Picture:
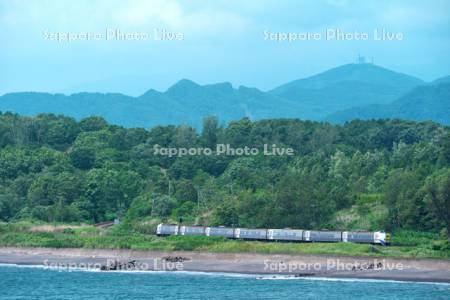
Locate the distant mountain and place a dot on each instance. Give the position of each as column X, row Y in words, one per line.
column 184, row 103
column 445, row 79
column 345, row 87
column 427, row 102
column 343, row 93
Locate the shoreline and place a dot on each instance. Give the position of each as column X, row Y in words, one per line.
column 305, row 265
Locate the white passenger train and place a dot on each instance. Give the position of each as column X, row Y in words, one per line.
column 294, row 235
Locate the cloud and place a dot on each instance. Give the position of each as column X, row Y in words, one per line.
column 142, row 12
column 421, row 16
column 136, row 14
column 223, row 39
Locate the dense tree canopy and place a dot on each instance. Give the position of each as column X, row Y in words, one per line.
column 53, row 168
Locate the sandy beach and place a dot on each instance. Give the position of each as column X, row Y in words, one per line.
column 424, row 270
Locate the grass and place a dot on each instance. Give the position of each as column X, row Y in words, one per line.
column 368, row 214
column 406, row 244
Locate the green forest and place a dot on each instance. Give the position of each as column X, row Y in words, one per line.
column 363, row 175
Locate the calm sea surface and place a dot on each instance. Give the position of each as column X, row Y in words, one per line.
column 39, row 283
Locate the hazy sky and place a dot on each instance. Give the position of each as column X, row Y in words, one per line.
column 222, row 41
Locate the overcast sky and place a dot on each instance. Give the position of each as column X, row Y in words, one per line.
column 222, row 41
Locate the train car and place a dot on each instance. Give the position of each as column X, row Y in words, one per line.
column 358, row 237
column 295, row 235
column 220, row 231
column 381, row 237
column 285, row 234
column 192, row 230
column 250, row 234
column 167, row 229
column 366, row 237
column 322, row 236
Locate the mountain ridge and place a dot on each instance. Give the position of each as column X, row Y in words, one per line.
column 186, row 102
column 423, row 103
column 347, row 72
column 346, row 86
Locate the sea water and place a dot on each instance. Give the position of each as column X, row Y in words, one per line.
column 19, row 282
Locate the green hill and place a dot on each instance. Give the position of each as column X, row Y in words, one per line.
column 345, row 87
column 427, row 102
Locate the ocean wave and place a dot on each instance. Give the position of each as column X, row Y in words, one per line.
column 156, row 272
column 223, row 274
column 21, row 265
column 365, row 280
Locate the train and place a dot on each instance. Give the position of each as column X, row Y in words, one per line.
column 281, row 235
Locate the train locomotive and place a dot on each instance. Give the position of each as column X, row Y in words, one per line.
column 288, row 235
